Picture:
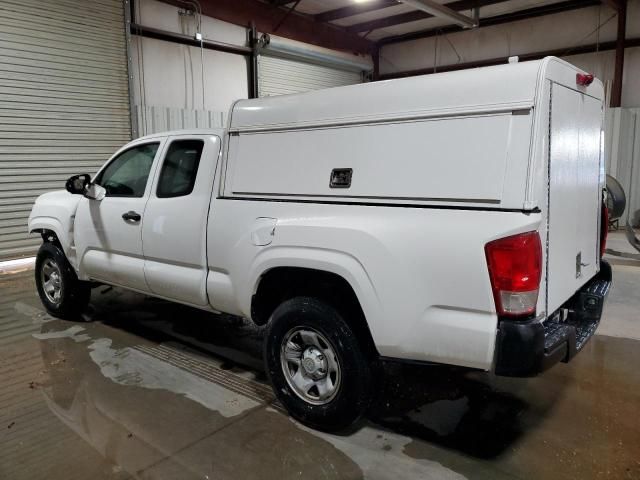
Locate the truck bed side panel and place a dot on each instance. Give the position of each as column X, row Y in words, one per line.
column 419, row 273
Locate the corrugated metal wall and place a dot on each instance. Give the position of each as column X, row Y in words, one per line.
column 161, row 119
column 280, row 76
column 622, row 151
column 64, row 101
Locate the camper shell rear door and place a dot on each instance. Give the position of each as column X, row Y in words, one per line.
column 575, row 175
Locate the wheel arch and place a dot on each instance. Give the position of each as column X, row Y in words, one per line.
column 279, row 283
column 47, row 226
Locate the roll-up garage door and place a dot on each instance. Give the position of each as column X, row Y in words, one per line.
column 280, row 76
column 64, row 101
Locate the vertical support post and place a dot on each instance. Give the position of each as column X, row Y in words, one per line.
column 129, row 15
column 616, row 91
column 375, row 56
column 253, row 62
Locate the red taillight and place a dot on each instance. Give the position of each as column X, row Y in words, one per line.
column 604, row 229
column 584, row 79
column 515, row 266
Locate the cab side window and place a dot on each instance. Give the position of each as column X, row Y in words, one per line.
column 180, row 168
column 127, row 174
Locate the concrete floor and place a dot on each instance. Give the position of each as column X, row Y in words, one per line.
column 153, row 390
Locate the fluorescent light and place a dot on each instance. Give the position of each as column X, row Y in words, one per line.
column 438, row 10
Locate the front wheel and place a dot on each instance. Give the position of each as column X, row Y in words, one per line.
column 316, row 364
column 62, row 294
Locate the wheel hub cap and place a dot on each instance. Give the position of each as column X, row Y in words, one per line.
column 310, row 365
column 314, row 363
column 51, row 280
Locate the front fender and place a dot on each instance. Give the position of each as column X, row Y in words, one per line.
column 55, row 211
column 39, row 224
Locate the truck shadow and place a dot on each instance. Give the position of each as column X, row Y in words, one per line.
column 472, row 412
column 449, row 407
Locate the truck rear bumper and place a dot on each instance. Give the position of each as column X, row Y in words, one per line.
column 526, row 348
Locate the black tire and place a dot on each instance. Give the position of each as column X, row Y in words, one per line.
column 75, row 294
column 354, row 391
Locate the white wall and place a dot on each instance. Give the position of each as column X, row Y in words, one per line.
column 165, row 17
column 550, row 32
column 168, row 78
column 173, row 76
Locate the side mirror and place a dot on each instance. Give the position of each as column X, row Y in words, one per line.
column 95, row 192
column 81, row 185
column 78, row 184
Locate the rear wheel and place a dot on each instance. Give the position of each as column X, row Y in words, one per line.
column 62, row 294
column 316, row 365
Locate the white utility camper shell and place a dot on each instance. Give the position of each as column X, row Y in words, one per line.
column 459, row 138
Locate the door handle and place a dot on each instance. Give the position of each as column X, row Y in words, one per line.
column 131, row 215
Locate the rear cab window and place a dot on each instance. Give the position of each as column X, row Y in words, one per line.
column 180, row 168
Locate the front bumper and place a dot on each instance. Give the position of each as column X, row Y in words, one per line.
column 526, row 348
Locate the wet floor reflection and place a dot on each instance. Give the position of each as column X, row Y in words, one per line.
column 455, row 408
column 154, row 390
column 174, row 424
column 204, row 421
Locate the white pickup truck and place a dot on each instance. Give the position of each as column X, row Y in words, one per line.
column 454, row 218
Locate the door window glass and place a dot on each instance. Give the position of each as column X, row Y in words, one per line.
column 180, row 167
column 127, row 174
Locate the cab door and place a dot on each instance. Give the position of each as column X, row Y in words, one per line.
column 108, row 233
column 174, row 229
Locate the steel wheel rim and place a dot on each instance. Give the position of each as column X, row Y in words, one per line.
column 51, row 280
column 310, row 365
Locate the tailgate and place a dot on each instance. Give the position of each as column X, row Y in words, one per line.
column 574, row 193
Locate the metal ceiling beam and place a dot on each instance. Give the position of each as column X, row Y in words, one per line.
column 297, row 27
column 286, row 15
column 615, row 4
column 417, row 15
column 559, row 52
column 496, row 20
column 442, row 11
column 158, row 34
column 351, row 10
